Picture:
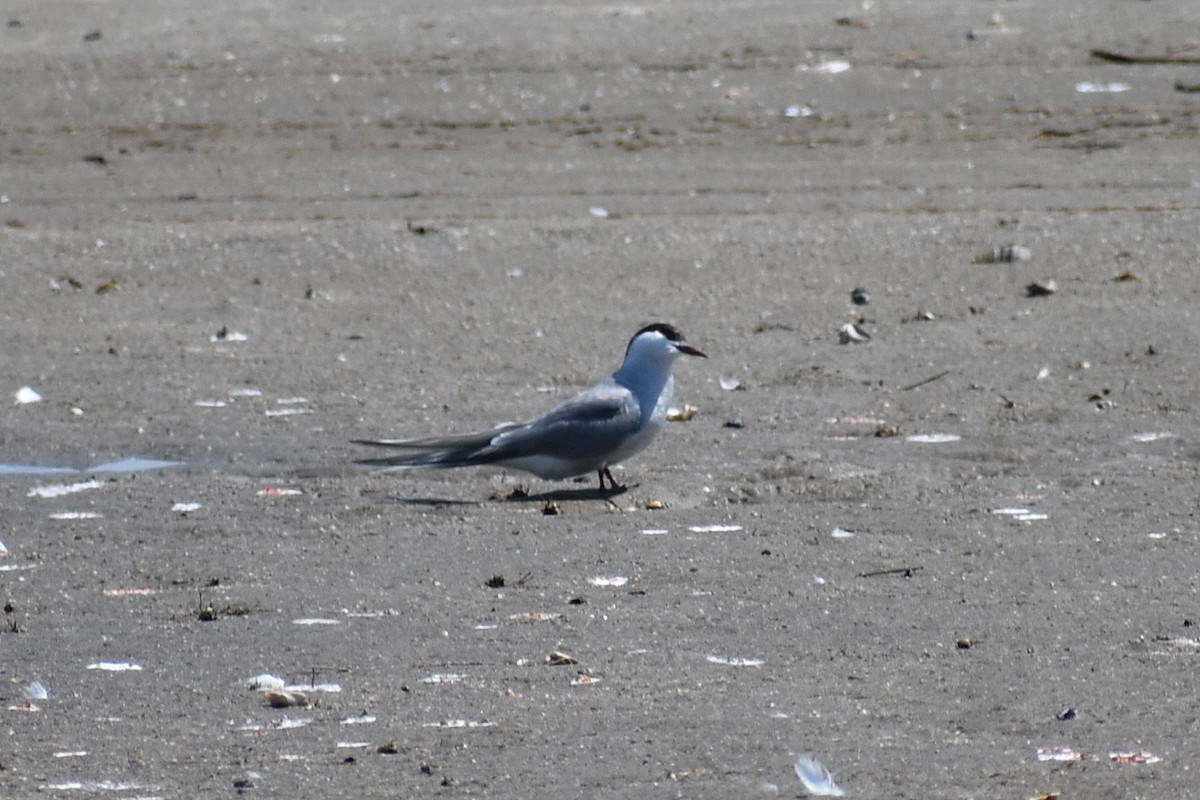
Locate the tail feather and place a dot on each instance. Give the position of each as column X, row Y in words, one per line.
column 438, row 452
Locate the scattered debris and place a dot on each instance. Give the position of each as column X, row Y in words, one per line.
column 26, row 395
column 1020, row 514
column 559, row 659
column 730, row 384
column 1127, row 275
column 714, row 528
column 817, row 779
column 860, row 297
column 285, row 699
column 906, row 572
column 76, row 515
column 115, row 666
column 615, row 580
column 1005, row 254
column 1041, row 288
column 444, row 677
column 1066, row 715
column 850, row 333
column 1064, row 754
column 684, row 414
column 1145, row 58
column 536, row 616
column 842, row 533
column 925, row 381
column 290, row 411
column 61, row 489
column 733, row 661
column 826, row 67
column 1133, row 757
column 855, row 22
column 226, row 335
column 362, row 719
column 932, row 438
column 285, row 724
column 1087, row 87
column 583, row 678
column 102, row 786
column 272, row 491
column 266, row 681
column 36, row 691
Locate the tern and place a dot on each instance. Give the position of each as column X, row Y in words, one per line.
column 594, row 430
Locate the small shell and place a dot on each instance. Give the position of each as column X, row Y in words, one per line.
column 682, row 414
column 282, row 699
column 851, row 333
column 1041, row 288
column 1004, row 254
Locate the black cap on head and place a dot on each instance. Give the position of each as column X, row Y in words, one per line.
column 672, row 334
column 667, row 330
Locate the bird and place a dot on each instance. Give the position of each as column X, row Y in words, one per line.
column 594, row 430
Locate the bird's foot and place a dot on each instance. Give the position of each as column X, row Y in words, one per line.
column 613, row 487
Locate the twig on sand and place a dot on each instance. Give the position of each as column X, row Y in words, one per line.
column 937, row 377
column 1146, row 58
column 905, row 571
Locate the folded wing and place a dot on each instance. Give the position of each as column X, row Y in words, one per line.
column 585, row 429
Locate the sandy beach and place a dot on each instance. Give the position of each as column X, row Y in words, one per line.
column 956, row 559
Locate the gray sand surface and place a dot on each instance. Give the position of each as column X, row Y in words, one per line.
column 431, row 217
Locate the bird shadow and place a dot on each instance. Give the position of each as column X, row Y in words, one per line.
column 522, row 495
column 432, row 502
column 518, row 494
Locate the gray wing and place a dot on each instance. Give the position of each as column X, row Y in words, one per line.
column 588, row 426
